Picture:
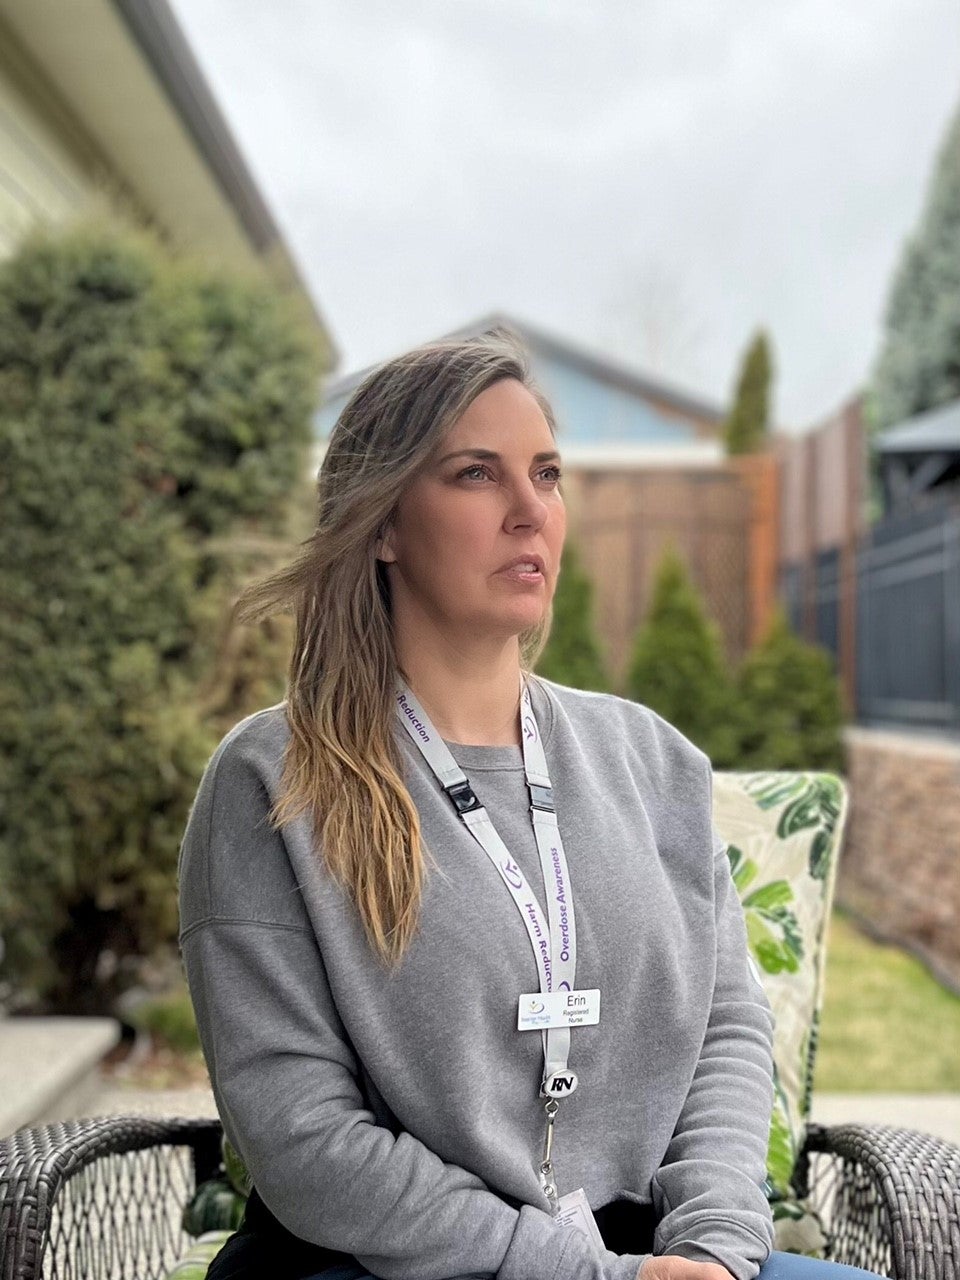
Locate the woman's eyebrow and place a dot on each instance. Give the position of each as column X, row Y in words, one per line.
column 488, row 455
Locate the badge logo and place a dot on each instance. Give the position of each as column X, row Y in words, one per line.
column 511, row 873
column 560, row 1084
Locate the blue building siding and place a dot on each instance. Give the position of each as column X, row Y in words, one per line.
column 595, row 402
column 589, row 411
column 326, row 416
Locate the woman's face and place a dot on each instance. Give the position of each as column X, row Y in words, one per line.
column 487, row 499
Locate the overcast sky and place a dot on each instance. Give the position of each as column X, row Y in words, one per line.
column 649, row 178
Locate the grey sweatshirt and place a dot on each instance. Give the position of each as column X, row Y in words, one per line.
column 394, row 1115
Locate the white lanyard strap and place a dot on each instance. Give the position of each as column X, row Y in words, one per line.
column 553, row 936
column 553, row 862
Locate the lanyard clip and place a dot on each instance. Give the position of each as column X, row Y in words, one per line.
column 462, row 797
column 548, row 1181
column 541, row 798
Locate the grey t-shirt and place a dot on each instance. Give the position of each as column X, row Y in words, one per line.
column 394, row 1115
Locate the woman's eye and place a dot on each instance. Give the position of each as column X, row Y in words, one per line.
column 550, row 474
column 476, row 471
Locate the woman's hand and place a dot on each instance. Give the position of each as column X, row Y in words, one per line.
column 669, row 1267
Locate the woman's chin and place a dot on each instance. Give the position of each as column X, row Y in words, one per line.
column 501, row 626
column 523, row 620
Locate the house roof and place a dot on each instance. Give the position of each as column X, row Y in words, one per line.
column 599, row 367
column 120, row 79
column 155, row 30
column 935, row 431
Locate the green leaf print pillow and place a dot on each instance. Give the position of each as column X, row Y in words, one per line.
column 783, row 833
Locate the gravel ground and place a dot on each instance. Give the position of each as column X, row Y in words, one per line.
column 116, row 1098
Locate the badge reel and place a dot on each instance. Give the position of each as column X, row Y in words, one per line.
column 559, row 1084
column 573, row 1209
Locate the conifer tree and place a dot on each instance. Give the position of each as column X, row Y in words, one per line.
column 678, row 667
column 790, row 704
column 745, row 429
column 150, row 413
column 572, row 655
column 919, row 363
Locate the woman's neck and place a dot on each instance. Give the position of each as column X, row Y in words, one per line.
column 471, row 699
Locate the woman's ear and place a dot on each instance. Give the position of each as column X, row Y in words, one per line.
column 385, row 550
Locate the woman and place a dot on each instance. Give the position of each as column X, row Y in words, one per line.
column 359, row 971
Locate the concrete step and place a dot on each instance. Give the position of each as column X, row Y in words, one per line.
column 936, row 1113
column 49, row 1067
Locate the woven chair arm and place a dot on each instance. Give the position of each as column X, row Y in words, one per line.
column 36, row 1164
column 892, row 1199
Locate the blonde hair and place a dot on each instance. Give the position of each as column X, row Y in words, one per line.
column 342, row 764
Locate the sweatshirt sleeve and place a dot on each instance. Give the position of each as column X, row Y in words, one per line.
column 708, row 1190
column 286, row 1078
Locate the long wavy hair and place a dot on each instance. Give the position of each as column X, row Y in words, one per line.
column 342, row 764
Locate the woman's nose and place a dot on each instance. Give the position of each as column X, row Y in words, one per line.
column 527, row 507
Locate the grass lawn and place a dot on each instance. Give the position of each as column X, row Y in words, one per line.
column 888, row 1026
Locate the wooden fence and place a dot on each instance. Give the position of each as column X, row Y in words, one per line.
column 720, row 517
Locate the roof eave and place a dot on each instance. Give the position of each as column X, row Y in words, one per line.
column 596, row 366
column 154, row 28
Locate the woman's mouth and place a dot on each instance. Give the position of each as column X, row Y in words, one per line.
column 523, row 571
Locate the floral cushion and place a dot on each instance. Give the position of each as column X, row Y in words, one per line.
column 783, row 833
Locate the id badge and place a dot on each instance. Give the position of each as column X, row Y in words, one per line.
column 541, row 1010
column 573, row 1210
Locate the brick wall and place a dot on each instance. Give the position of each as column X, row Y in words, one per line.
column 900, row 868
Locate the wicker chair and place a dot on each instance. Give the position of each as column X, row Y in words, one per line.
column 101, row 1199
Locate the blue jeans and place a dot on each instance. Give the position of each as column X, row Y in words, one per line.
column 789, row 1266
column 779, row 1266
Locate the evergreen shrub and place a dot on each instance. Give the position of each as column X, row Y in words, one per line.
column 919, row 363
column 746, row 427
column 782, row 709
column 150, row 411
column 169, row 1020
column 572, row 654
column 791, row 709
column 678, row 668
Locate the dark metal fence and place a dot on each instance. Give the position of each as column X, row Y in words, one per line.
column 907, row 616
column 812, row 604
column 827, row 596
column 791, row 595
column 908, row 621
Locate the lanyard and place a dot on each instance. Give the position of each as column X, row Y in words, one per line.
column 552, row 937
